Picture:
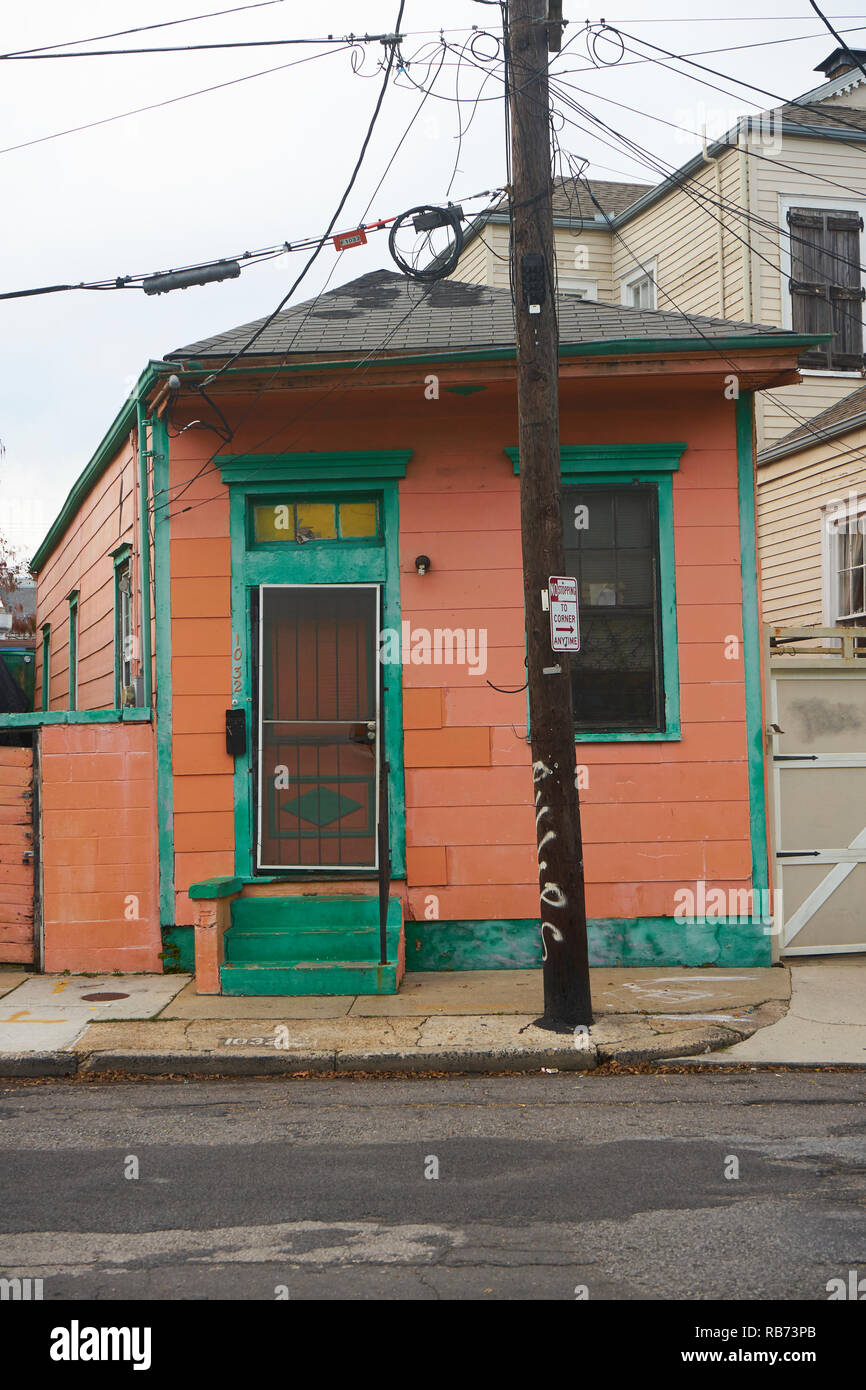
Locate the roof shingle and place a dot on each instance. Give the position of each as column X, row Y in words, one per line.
column 387, row 312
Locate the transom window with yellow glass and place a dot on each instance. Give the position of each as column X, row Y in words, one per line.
column 297, row 522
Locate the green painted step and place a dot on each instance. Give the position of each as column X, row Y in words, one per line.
column 303, row 913
column 320, row 945
column 334, row 977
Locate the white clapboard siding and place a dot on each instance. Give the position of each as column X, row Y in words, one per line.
column 683, row 235
column 791, row 495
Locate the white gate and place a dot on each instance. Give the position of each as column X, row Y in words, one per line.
column 818, row 743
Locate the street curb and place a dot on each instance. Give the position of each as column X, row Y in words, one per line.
column 275, row 1062
column 38, row 1064
column 287, row 1064
column 202, row 1064
column 713, row 1064
column 569, row 1059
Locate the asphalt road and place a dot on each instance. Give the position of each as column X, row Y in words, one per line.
column 547, row 1185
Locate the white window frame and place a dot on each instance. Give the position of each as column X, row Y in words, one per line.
column 647, row 271
column 587, row 289
column 820, row 204
column 851, row 509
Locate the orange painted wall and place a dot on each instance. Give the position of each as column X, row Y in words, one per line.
column 656, row 816
column 82, row 560
column 99, row 847
column 681, row 807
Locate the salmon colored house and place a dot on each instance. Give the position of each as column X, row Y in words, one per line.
column 281, row 727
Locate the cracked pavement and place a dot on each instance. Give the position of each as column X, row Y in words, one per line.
column 315, row 1189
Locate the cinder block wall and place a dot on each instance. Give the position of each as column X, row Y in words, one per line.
column 99, row 847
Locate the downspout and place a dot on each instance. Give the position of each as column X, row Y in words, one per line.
column 720, row 239
column 742, row 143
column 144, row 553
column 720, row 231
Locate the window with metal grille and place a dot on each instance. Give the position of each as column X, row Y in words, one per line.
column 124, row 639
column 825, row 284
column 72, row 600
column 612, row 549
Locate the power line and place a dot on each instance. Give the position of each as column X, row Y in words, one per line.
column 42, row 55
column 350, row 185
column 843, row 45
column 671, row 175
column 244, row 259
column 726, row 19
column 350, row 39
column 170, row 101
column 647, row 156
column 747, row 150
column 699, row 196
column 792, row 414
column 142, row 28
column 740, row 82
column 426, row 93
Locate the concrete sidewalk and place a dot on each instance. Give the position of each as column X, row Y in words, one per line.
column 825, row 1024
column 480, row 1020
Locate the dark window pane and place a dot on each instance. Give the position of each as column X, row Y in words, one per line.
column 634, row 519
column 589, row 522
column 617, row 675
column 635, row 578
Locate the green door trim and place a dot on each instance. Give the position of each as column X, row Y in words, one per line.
column 162, row 662
column 375, row 472
column 752, row 641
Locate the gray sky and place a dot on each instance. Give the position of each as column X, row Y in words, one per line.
column 265, row 161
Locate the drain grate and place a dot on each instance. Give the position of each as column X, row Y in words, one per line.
column 103, row 995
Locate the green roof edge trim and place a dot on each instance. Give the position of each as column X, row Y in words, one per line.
column 108, row 446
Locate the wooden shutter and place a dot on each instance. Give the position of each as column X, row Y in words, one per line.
column 825, row 284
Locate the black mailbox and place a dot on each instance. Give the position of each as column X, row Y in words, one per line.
column 236, row 732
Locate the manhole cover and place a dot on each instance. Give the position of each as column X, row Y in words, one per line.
column 104, row 994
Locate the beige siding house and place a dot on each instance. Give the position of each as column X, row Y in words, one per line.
column 812, row 518
column 765, row 225
column 716, row 236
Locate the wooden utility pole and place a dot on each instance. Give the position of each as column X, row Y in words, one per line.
column 567, row 1002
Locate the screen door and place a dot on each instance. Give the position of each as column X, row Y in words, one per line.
column 318, row 726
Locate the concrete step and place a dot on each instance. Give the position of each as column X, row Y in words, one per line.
column 332, row 977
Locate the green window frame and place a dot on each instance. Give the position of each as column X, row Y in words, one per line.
column 615, row 466
column 46, row 667
column 123, row 682
column 72, row 599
